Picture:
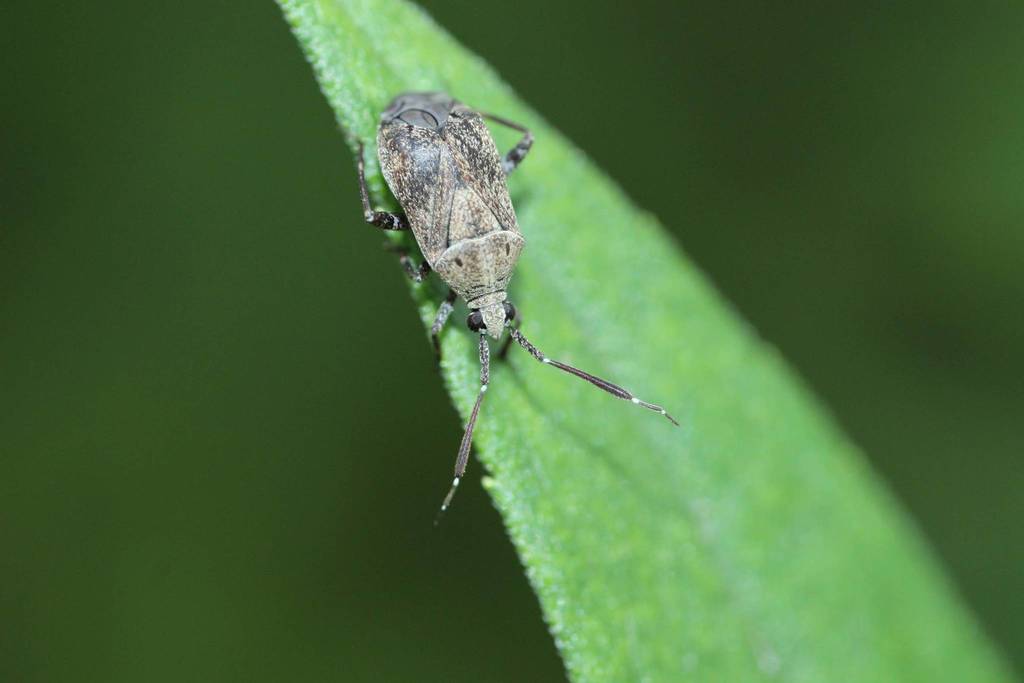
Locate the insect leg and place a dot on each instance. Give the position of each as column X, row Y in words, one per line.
column 382, row 219
column 443, row 311
column 415, row 273
column 467, row 437
column 517, row 153
column 613, row 389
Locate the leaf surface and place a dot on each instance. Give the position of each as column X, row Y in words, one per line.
column 750, row 544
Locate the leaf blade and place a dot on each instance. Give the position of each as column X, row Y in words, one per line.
column 657, row 553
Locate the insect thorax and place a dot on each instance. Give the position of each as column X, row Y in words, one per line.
column 480, row 266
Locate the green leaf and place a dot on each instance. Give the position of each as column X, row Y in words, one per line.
column 750, row 544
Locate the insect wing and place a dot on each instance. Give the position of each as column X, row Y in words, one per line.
column 413, row 163
column 479, row 163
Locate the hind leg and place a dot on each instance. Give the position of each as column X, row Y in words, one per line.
column 385, row 220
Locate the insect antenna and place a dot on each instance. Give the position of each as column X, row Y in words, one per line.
column 467, row 437
column 613, row 389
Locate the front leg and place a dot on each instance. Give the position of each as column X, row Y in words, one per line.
column 384, row 220
column 517, row 153
column 443, row 311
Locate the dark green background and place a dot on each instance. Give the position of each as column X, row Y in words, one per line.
column 223, row 438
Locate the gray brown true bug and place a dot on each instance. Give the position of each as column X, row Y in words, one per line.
column 443, row 167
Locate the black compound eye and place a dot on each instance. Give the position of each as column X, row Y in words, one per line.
column 510, row 311
column 475, row 321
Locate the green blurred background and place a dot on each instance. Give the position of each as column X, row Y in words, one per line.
column 223, row 437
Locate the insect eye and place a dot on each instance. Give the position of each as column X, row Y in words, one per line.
column 475, row 321
column 510, row 311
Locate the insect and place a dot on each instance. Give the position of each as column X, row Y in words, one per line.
column 443, row 167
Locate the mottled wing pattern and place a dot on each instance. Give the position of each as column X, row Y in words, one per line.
column 411, row 161
column 479, row 163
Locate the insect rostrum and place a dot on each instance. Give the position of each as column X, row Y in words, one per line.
column 442, row 165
